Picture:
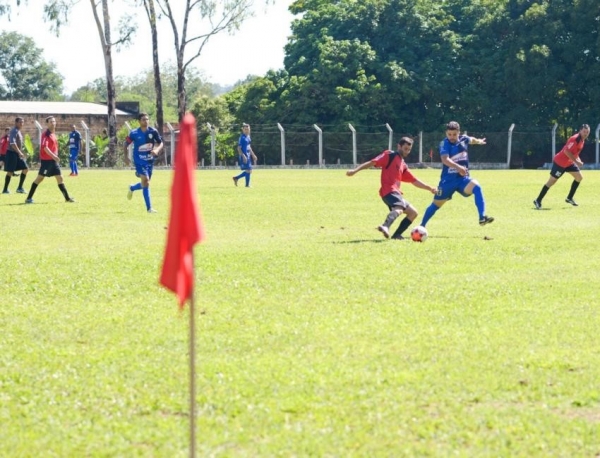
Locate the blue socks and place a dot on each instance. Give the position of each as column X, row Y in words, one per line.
column 479, row 202
column 429, row 213
column 136, row 187
column 146, row 193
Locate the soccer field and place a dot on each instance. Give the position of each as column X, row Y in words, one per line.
column 316, row 336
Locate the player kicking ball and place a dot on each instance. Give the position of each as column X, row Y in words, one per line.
column 394, row 171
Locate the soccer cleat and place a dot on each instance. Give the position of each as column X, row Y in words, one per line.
column 29, row 201
column 234, row 180
column 129, row 193
column 398, row 237
column 21, row 191
column 384, row 230
column 151, row 210
column 537, row 205
column 572, row 202
column 6, row 191
column 486, row 220
column 70, row 199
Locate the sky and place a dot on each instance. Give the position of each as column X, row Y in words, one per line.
column 254, row 49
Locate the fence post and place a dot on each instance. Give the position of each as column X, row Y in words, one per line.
column 509, row 148
column 282, row 132
column 87, row 143
column 39, row 129
column 320, row 144
column 554, row 140
column 172, row 132
column 212, row 145
column 353, row 143
column 391, row 134
column 597, row 146
column 420, row 146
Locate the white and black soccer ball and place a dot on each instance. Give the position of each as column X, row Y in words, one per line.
column 419, row 234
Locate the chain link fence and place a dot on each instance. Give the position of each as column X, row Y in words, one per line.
column 328, row 146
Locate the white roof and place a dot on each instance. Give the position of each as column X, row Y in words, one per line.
column 56, row 108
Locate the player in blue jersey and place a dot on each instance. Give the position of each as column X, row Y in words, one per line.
column 147, row 143
column 455, row 174
column 245, row 155
column 75, row 147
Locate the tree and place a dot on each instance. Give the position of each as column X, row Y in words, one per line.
column 213, row 17
column 151, row 15
column 57, row 12
column 25, row 73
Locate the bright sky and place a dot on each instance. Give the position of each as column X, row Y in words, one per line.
column 256, row 48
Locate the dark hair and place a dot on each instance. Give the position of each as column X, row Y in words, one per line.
column 585, row 126
column 48, row 118
column 18, row 118
column 405, row 141
column 141, row 115
column 453, row 125
column 245, row 125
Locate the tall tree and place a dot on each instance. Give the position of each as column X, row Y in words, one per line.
column 151, row 15
column 57, row 12
column 202, row 19
column 26, row 75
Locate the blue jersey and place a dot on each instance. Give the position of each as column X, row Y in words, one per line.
column 458, row 152
column 143, row 143
column 74, row 140
column 244, row 144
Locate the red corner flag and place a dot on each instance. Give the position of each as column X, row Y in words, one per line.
column 185, row 227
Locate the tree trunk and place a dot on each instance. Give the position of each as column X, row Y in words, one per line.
column 156, row 65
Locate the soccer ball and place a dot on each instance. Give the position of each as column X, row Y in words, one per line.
column 419, row 234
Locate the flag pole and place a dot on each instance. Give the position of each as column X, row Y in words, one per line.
column 192, row 371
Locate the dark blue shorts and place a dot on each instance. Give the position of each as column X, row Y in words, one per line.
column 395, row 200
column 557, row 171
column 73, row 154
column 14, row 162
column 49, row 168
column 449, row 186
column 144, row 169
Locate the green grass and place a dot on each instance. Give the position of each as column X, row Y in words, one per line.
column 316, row 337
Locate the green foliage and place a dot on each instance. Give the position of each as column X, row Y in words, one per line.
column 98, row 150
column 25, row 73
column 317, row 338
column 28, row 145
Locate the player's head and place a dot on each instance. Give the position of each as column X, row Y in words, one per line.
column 6, row 131
column 143, row 118
column 452, row 131
column 19, row 122
column 51, row 122
column 246, row 128
column 73, row 126
column 405, row 145
column 584, row 131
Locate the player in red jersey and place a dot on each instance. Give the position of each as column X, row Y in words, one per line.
column 393, row 171
column 567, row 160
column 3, row 147
column 49, row 160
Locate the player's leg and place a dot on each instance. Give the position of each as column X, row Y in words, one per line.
column 23, row 167
column 61, row 184
column 248, row 175
column 35, row 184
column 10, row 166
column 472, row 187
column 396, row 205
column 443, row 195
column 137, row 186
column 145, row 177
column 411, row 213
column 555, row 173
column 577, row 177
column 74, row 164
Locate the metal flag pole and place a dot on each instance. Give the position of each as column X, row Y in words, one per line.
column 192, row 372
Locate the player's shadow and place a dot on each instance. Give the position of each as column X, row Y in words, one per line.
column 340, row 242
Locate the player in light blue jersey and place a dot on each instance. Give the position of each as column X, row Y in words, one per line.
column 246, row 155
column 455, row 174
column 146, row 145
column 75, row 147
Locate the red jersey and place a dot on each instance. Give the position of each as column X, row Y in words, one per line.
column 574, row 145
column 48, row 140
column 3, row 145
column 393, row 171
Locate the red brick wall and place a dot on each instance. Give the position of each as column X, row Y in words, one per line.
column 96, row 123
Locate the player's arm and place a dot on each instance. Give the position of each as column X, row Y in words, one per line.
column 453, row 165
column 254, row 158
column 572, row 157
column 157, row 148
column 126, row 144
column 365, row 165
column 15, row 147
column 419, row 184
column 476, row 141
column 49, row 152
